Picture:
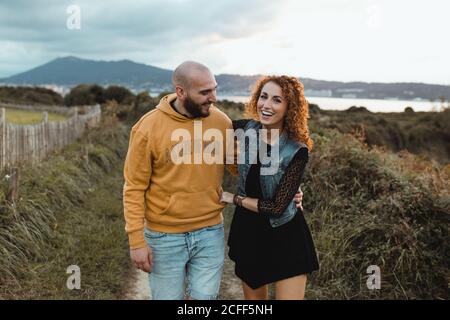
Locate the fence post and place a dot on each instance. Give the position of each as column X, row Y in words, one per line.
column 13, row 193
column 45, row 116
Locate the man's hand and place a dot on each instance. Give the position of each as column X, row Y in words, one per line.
column 142, row 258
column 226, row 197
column 298, row 199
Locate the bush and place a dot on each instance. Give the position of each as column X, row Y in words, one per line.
column 357, row 109
column 369, row 207
column 30, row 96
column 121, row 94
column 85, row 94
column 313, row 108
column 143, row 104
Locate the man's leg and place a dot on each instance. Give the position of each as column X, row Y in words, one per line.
column 170, row 256
column 204, row 269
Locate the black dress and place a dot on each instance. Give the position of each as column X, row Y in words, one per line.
column 264, row 254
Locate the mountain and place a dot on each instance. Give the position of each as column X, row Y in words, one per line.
column 69, row 71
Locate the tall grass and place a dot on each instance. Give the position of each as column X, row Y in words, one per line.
column 69, row 212
column 369, row 207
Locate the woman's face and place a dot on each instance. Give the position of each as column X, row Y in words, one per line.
column 272, row 106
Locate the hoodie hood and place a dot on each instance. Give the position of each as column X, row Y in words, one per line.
column 164, row 106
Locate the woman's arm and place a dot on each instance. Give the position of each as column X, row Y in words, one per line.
column 284, row 194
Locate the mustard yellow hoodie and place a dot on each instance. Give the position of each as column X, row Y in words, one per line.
column 170, row 197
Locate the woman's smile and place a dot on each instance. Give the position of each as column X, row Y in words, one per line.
column 265, row 114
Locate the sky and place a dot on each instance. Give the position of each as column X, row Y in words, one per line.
column 341, row 40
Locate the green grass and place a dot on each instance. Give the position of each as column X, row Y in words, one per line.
column 69, row 213
column 371, row 207
column 24, row 117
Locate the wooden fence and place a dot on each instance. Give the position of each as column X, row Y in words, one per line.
column 31, row 143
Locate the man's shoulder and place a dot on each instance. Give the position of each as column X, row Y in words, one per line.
column 220, row 116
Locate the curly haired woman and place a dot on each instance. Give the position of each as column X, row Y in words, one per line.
column 269, row 239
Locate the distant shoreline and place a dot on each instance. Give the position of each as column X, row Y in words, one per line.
column 373, row 105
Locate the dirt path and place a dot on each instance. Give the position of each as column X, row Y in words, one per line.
column 140, row 287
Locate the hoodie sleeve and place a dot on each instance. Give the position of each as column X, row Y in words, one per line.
column 137, row 173
column 231, row 150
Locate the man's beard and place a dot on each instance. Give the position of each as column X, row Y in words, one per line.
column 194, row 109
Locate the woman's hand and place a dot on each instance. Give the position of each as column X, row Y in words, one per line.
column 226, row 197
column 298, row 199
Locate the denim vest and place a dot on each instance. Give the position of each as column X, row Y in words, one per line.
column 269, row 181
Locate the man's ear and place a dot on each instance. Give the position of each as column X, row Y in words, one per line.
column 179, row 90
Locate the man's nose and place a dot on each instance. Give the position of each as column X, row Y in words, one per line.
column 212, row 97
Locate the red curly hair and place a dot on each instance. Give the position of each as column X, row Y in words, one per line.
column 297, row 114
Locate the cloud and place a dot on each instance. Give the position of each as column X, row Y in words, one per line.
column 325, row 39
column 147, row 31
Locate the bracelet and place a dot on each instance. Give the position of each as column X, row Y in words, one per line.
column 237, row 200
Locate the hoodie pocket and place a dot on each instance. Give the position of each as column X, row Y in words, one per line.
column 187, row 205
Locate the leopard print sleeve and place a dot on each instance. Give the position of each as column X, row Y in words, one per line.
column 287, row 187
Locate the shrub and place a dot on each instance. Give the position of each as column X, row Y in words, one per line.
column 85, row 94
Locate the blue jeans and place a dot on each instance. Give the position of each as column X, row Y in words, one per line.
column 188, row 263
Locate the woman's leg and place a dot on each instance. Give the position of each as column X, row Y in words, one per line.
column 291, row 288
column 262, row 293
